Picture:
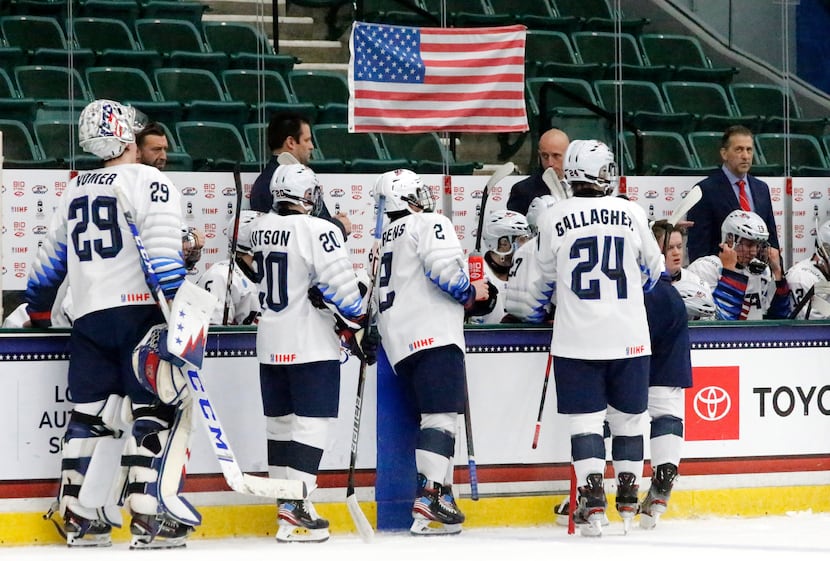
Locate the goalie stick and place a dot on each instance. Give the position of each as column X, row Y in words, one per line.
column 364, row 528
column 235, row 478
column 237, row 180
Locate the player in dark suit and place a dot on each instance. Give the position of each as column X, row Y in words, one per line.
column 721, row 196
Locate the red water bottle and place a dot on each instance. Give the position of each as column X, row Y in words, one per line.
column 476, row 262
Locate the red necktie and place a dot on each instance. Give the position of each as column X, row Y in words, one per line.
column 743, row 198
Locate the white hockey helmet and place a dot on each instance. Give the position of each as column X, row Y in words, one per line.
column 697, row 298
column 591, row 161
column 823, row 242
column 401, row 188
column 243, row 235
column 537, row 208
column 106, row 127
column 742, row 224
column 295, row 183
column 504, row 224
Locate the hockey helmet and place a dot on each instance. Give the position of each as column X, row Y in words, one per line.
column 823, row 242
column 243, row 235
column 193, row 240
column 401, row 188
column 537, row 208
column 297, row 184
column 696, row 296
column 504, row 225
column 106, row 127
column 592, row 162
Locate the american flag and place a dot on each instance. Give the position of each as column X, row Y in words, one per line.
column 411, row 79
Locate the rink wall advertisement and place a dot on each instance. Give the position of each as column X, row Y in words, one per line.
column 760, row 392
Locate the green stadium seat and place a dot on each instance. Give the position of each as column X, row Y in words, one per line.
column 536, row 14
column 424, row 151
column 642, row 105
column 805, row 152
column 598, row 15
column 201, row 95
column 247, row 47
column 175, row 10
column 550, row 53
column 769, row 101
column 265, row 92
column 705, row 145
column 50, row 82
column 19, row 149
column 601, row 47
column 53, row 138
column 132, row 86
column 685, row 54
column 126, row 11
column 327, row 90
column 180, row 43
column 709, row 103
column 215, row 146
column 43, row 40
column 664, row 153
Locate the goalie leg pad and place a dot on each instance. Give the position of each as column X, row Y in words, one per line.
column 91, row 448
column 155, row 458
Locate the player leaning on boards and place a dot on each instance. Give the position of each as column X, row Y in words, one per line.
column 297, row 347
column 90, row 242
column 597, row 255
column 423, row 288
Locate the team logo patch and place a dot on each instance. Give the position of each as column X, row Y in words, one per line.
column 713, row 404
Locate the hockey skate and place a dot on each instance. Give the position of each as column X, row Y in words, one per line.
column 298, row 521
column 563, row 513
column 435, row 511
column 657, row 499
column 590, row 509
column 82, row 532
column 158, row 531
column 627, row 498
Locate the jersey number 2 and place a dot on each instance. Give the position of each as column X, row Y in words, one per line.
column 103, row 213
column 587, row 251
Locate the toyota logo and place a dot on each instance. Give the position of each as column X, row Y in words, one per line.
column 712, row 403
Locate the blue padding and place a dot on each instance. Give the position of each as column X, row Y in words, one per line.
column 397, row 435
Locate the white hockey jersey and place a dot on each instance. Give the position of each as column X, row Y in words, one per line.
column 422, row 280
column 89, row 239
column 738, row 295
column 244, row 303
column 292, row 254
column 801, row 278
column 498, row 311
column 524, row 273
column 598, row 255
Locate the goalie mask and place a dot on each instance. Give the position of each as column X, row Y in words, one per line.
column 297, row 184
column 106, row 127
column 591, row 162
column 158, row 375
column 747, row 233
column 503, row 231
column 402, row 188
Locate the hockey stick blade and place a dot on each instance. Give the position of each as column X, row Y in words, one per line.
column 692, row 198
column 364, row 528
column 286, row 159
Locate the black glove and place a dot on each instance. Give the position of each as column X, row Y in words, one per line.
column 484, row 307
column 316, row 297
column 370, row 344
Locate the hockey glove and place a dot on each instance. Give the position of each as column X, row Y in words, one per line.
column 370, row 343
column 316, row 298
column 483, row 307
column 169, row 276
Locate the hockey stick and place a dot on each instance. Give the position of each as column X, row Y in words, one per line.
column 360, row 521
column 542, row 403
column 471, row 454
column 237, row 180
column 691, row 199
column 572, row 505
column 498, row 175
column 235, row 478
column 803, row 302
